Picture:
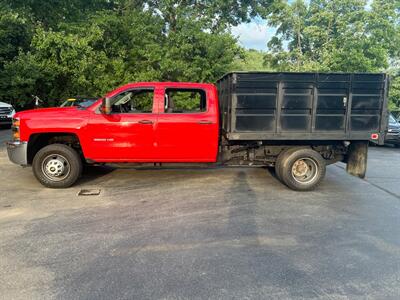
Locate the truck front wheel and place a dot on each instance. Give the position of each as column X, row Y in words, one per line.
column 302, row 169
column 57, row 166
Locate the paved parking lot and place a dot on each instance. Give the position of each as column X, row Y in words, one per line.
column 199, row 234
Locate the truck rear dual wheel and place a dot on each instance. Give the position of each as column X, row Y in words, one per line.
column 281, row 157
column 57, row 166
column 301, row 169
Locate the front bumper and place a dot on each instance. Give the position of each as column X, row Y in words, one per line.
column 392, row 138
column 18, row 152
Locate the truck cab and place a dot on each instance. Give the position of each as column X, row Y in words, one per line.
column 155, row 122
column 136, row 123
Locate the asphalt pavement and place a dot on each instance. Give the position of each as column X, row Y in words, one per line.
column 5, row 135
column 225, row 233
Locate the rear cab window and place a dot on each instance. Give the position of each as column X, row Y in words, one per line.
column 185, row 101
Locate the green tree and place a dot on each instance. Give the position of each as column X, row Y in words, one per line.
column 250, row 60
column 15, row 35
column 394, row 96
column 335, row 35
column 49, row 13
column 210, row 14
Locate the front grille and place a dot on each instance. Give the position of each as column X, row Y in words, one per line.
column 394, row 130
column 5, row 110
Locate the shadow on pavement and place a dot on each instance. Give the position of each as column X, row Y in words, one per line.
column 93, row 173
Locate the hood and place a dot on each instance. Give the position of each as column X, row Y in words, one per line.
column 3, row 104
column 57, row 119
column 49, row 112
column 394, row 126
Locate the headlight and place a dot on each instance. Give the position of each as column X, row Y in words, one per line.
column 12, row 113
column 15, row 129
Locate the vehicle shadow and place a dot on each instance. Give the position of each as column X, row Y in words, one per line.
column 260, row 248
column 243, row 206
column 91, row 174
column 132, row 177
column 271, row 171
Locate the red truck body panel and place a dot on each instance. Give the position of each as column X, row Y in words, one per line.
column 69, row 120
column 135, row 137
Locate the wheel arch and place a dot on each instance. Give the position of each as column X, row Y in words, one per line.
column 39, row 140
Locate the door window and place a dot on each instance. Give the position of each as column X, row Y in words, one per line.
column 185, row 101
column 133, row 101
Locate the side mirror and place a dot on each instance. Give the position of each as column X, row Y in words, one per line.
column 106, row 106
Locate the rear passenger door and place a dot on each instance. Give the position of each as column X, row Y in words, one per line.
column 187, row 129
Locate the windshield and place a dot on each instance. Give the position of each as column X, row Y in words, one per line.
column 78, row 102
column 392, row 120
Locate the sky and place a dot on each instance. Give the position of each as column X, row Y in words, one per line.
column 253, row 35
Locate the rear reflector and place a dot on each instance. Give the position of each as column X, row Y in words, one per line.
column 374, row 136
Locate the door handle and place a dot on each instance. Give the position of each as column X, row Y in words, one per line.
column 145, row 122
column 204, row 122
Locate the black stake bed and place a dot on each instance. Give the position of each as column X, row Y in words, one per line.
column 303, row 106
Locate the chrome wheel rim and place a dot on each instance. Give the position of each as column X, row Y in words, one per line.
column 305, row 170
column 56, row 167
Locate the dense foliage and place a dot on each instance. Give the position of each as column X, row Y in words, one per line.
column 335, row 35
column 56, row 49
column 394, row 99
column 251, row 60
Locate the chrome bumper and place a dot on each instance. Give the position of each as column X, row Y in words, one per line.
column 392, row 137
column 18, row 152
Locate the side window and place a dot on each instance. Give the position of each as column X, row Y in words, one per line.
column 185, row 101
column 133, row 102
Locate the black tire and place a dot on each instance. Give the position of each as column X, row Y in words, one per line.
column 278, row 163
column 314, row 171
column 281, row 157
column 57, row 156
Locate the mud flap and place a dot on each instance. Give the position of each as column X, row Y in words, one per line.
column 357, row 156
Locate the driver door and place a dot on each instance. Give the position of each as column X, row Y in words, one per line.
column 128, row 133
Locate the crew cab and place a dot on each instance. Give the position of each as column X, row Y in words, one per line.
column 295, row 122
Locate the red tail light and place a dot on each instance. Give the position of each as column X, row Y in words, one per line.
column 374, row 136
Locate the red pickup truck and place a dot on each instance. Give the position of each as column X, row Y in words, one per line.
column 296, row 122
